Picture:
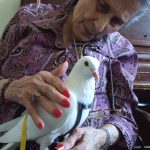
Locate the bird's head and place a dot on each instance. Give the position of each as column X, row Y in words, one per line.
column 88, row 66
column 81, row 79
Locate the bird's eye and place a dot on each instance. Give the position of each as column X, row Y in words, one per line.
column 86, row 63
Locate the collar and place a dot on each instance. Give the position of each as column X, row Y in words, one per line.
column 81, row 107
column 84, row 106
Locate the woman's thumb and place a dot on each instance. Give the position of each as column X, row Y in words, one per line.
column 61, row 69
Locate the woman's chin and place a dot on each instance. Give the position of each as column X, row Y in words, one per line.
column 83, row 38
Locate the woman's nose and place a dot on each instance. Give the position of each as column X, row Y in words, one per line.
column 102, row 22
column 90, row 16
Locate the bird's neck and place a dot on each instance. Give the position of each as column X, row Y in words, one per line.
column 84, row 89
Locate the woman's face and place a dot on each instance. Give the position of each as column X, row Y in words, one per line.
column 93, row 19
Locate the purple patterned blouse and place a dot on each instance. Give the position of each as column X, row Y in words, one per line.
column 32, row 41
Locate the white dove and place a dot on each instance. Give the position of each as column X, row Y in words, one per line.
column 81, row 85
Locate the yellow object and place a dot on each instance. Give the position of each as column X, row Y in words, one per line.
column 24, row 133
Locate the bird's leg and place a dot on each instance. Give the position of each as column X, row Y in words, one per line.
column 45, row 141
column 43, row 147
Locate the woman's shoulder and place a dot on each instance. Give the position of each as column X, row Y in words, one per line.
column 120, row 45
column 33, row 13
column 118, row 39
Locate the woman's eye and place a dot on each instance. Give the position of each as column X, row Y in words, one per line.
column 102, row 7
column 116, row 21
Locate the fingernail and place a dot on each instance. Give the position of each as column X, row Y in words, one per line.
column 59, row 147
column 66, row 93
column 65, row 103
column 40, row 125
column 57, row 113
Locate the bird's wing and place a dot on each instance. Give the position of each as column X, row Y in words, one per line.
column 8, row 125
column 12, row 132
column 15, row 133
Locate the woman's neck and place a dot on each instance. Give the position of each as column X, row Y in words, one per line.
column 67, row 31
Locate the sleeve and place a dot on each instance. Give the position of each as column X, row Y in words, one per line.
column 3, row 53
column 12, row 35
column 124, row 69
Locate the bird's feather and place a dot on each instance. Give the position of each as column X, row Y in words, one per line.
column 8, row 125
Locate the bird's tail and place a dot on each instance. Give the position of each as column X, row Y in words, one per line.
column 10, row 146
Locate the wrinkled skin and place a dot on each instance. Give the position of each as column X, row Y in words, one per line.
column 94, row 19
column 81, row 139
column 89, row 138
column 91, row 19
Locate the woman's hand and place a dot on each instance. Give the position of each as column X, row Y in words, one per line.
column 86, row 138
column 51, row 88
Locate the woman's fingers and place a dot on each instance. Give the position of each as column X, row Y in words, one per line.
column 54, row 81
column 61, row 69
column 53, row 94
column 71, row 141
column 49, row 106
column 31, row 108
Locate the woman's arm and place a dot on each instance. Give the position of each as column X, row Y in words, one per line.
column 2, row 83
column 120, row 128
column 90, row 138
column 124, row 70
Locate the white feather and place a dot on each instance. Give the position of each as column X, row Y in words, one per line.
column 8, row 125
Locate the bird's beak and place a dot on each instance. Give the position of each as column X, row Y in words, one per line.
column 95, row 74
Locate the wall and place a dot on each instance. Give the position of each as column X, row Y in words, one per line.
column 7, row 10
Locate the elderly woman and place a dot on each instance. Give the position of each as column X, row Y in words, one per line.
column 41, row 37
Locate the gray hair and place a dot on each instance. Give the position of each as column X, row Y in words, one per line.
column 144, row 8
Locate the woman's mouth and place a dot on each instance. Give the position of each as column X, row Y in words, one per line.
column 87, row 29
